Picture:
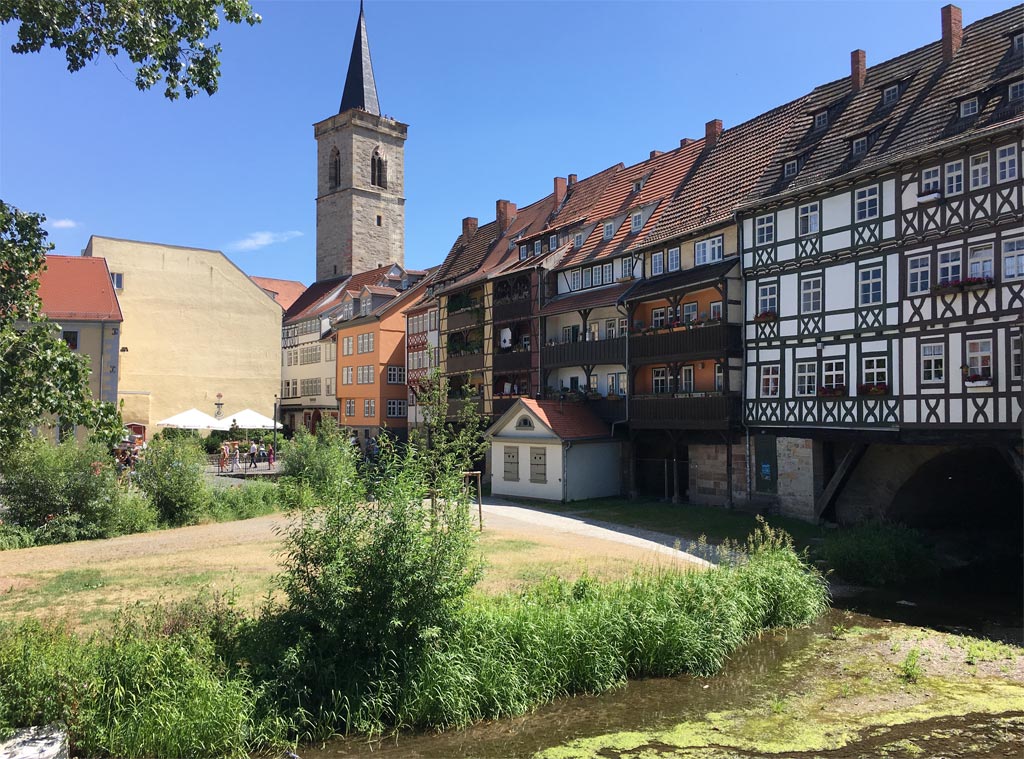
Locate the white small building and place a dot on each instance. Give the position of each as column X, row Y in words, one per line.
column 554, row 451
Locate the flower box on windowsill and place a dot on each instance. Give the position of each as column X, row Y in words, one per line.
column 625, row 278
column 928, row 196
column 766, row 316
column 977, row 283
column 873, row 389
column 977, row 380
column 839, row 391
column 945, row 287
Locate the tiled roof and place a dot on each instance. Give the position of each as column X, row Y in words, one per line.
column 726, row 174
column 592, row 298
column 376, row 290
column 570, row 421
column 324, row 295
column 649, row 288
column 662, row 176
column 78, row 288
column 925, row 116
column 284, row 291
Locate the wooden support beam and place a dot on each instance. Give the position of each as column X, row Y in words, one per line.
column 839, row 479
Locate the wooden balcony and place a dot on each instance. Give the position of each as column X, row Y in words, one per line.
column 510, row 310
column 685, row 344
column 513, row 361
column 467, row 362
column 691, row 412
column 590, row 353
column 471, row 317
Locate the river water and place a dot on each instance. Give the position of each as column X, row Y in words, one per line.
column 752, row 675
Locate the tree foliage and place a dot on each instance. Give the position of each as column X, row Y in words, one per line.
column 39, row 374
column 165, row 39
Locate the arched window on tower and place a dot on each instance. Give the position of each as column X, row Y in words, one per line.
column 335, row 169
column 378, row 169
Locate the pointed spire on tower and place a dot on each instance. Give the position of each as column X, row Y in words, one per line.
column 360, row 88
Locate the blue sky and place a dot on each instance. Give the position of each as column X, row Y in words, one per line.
column 500, row 97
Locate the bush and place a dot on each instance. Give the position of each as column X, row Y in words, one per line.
column 170, row 472
column 253, row 499
column 879, row 554
column 133, row 512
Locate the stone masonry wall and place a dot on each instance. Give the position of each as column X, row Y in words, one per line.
column 709, row 475
column 799, row 463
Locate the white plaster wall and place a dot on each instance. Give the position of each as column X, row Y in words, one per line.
column 593, row 470
column 523, row 488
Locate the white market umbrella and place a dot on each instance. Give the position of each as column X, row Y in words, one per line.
column 247, row 419
column 193, row 419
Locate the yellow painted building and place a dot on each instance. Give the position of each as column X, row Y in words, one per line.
column 197, row 332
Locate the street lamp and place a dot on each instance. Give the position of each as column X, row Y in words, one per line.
column 275, row 422
column 220, row 406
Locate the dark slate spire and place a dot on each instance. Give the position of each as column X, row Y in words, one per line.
column 360, row 88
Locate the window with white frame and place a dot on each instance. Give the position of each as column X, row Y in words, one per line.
column 328, row 385
column 979, row 171
column 1013, row 258
column 933, row 362
column 370, row 407
column 931, row 180
column 598, row 276
column 810, row 295
column 1015, row 92
column 397, row 408
column 537, row 247
column 686, row 379
column 346, row 375
column 719, row 378
column 1006, row 163
column 524, row 252
column 626, row 267
column 768, row 298
column 954, row 177
column 979, row 261
column 659, row 379
column 658, row 317
column 979, row 359
column 511, row 469
column 689, row 312
column 808, row 216
column 821, row 119
column 346, row 346
column 949, row 266
column 764, row 229
column 770, row 374
column 866, row 203
column 609, row 273
column 874, row 370
column 350, row 407
column 673, row 259
column 396, row 375
column 1015, row 356
column 890, row 94
column 611, row 329
column 310, row 386
column 567, row 334
column 637, row 222
column 708, row 251
column 365, row 305
column 552, row 242
column 609, row 230
column 577, row 240
column 588, row 278
column 658, row 263
column 574, row 279
column 806, row 378
column 859, row 146
column 330, row 351
column 789, row 168
column 716, row 309
column 613, row 383
column 870, row 286
column 1018, row 42
column 117, row 280
column 833, row 374
column 968, row 107
column 919, row 275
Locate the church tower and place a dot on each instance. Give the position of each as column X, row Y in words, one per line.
column 360, row 200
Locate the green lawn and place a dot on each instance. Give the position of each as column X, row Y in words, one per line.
column 686, row 521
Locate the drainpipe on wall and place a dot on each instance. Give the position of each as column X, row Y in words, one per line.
column 566, row 445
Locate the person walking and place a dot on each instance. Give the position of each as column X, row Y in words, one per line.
column 252, row 455
column 236, row 457
column 270, row 456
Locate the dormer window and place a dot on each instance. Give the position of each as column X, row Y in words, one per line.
column 537, row 245
column 637, row 222
column 789, row 169
column 524, row 423
column 638, row 185
column 609, row 230
column 577, row 240
column 859, row 146
column 968, row 107
column 890, row 94
column 552, row 242
column 821, row 120
column 364, row 307
column 523, row 252
column 1016, row 92
column 1018, row 42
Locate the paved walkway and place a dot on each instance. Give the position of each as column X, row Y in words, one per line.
column 513, row 517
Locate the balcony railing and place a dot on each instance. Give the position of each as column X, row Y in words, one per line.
column 513, row 361
column 512, row 309
column 684, row 343
column 467, row 362
column 584, row 353
column 693, row 412
column 465, row 319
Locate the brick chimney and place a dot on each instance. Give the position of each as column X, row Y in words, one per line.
column 655, row 153
column 572, row 180
column 686, row 141
column 952, row 31
column 712, row 131
column 469, row 225
column 504, row 212
column 560, row 190
column 858, row 70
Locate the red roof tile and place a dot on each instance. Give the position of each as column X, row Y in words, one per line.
column 591, row 298
column 284, row 291
column 568, row 420
column 78, row 288
column 324, row 295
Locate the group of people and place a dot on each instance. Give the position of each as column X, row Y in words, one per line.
column 126, row 457
column 231, row 455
